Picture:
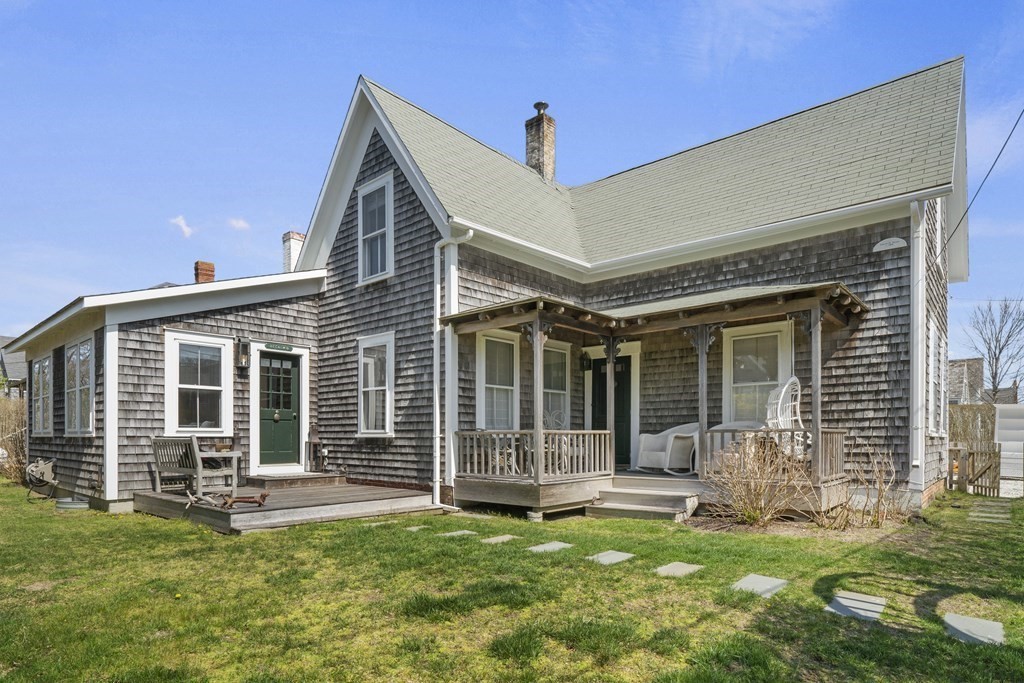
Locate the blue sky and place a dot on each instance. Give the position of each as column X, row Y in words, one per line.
column 138, row 137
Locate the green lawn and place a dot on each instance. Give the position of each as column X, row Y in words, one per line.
column 87, row 596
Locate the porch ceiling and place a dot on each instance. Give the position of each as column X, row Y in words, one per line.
column 835, row 300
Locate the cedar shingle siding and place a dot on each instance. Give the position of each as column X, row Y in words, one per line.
column 142, row 362
column 403, row 304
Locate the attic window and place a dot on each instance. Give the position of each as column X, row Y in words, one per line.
column 376, row 228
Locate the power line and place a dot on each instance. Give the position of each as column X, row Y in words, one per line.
column 978, row 191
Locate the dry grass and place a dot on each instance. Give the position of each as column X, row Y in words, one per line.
column 12, row 439
column 971, row 424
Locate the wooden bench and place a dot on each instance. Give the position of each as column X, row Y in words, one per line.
column 181, row 455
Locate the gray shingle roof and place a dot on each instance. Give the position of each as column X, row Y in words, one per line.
column 892, row 139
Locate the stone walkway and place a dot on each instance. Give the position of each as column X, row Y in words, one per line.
column 844, row 603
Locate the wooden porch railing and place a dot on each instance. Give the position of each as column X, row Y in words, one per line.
column 510, row 455
column 824, row 462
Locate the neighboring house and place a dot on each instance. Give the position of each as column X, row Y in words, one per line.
column 13, row 371
column 450, row 315
column 967, row 384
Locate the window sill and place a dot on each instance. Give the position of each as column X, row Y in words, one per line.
column 376, row 278
column 375, row 435
column 185, row 431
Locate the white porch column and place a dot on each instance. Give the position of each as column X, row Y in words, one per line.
column 815, row 329
column 539, row 337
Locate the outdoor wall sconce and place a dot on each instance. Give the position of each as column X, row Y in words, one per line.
column 586, row 364
column 242, row 352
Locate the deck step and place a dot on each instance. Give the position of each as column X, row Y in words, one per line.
column 293, row 481
column 690, row 485
column 635, row 512
column 653, row 497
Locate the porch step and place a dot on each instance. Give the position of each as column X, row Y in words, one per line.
column 663, row 482
column 293, row 481
column 643, row 504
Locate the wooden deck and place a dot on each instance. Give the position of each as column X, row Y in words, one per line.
column 288, row 506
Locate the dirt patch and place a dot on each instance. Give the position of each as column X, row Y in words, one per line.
column 40, row 586
column 796, row 529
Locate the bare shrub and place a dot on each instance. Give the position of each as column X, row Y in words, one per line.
column 870, row 498
column 972, row 423
column 755, row 482
column 12, row 440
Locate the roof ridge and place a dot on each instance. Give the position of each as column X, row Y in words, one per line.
column 459, row 130
column 959, row 58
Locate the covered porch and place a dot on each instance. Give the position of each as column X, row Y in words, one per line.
column 567, row 452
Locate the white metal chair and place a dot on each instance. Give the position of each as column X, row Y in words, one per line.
column 784, row 414
column 671, row 450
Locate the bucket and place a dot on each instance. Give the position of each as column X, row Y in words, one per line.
column 72, row 504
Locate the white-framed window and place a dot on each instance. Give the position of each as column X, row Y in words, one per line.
column 42, row 396
column 79, row 380
column 757, row 359
column 199, row 386
column 376, row 385
column 497, row 380
column 556, row 385
column 933, row 379
column 376, row 200
column 944, row 384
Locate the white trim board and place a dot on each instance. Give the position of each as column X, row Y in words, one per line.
column 111, row 413
column 633, row 350
column 303, row 353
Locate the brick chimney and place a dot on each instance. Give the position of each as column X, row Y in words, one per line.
column 540, row 142
column 204, row 272
column 292, row 242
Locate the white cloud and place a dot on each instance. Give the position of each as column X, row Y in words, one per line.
column 987, row 129
column 725, row 32
column 186, row 229
column 239, row 223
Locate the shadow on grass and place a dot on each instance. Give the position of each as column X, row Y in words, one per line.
column 487, row 593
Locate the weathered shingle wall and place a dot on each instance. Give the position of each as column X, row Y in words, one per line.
column 141, row 375
column 402, row 304
column 79, row 465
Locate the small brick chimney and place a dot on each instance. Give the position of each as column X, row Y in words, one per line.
column 540, row 142
column 204, row 272
column 292, row 242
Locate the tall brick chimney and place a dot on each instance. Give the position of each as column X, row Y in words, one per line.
column 540, row 142
column 292, row 242
column 204, row 272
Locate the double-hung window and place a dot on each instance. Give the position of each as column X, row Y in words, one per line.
column 556, row 386
column 78, row 387
column 198, row 389
column 376, row 384
column 758, row 358
column 42, row 396
column 497, row 385
column 376, row 228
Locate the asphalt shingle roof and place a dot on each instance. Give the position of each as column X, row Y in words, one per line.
column 895, row 138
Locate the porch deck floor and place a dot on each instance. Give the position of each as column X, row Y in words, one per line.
column 287, row 506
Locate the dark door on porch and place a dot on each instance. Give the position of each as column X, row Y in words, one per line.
column 623, row 417
column 279, row 409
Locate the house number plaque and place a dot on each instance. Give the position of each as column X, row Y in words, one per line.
column 278, row 347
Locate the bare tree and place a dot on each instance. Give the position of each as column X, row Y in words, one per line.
column 996, row 333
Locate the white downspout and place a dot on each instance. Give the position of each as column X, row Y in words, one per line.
column 438, row 246
column 917, row 345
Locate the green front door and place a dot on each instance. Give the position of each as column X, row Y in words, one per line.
column 279, row 409
column 623, row 403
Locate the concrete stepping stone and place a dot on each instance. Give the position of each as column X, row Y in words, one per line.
column 765, row 586
column 972, row 630
column 549, row 547
column 461, row 532
column 989, row 520
column 504, row 538
column 415, row 528
column 857, row 605
column 678, row 569
column 610, row 557
column 379, row 523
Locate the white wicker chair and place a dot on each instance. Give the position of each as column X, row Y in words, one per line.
column 671, row 450
column 784, row 414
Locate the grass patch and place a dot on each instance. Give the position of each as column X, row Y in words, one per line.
column 135, row 598
column 521, row 645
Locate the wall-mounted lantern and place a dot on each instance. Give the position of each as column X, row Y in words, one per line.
column 586, row 364
column 242, row 352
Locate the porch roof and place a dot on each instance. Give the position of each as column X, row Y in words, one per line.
column 737, row 303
